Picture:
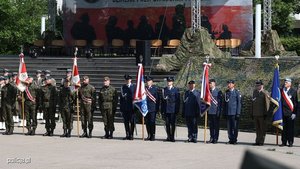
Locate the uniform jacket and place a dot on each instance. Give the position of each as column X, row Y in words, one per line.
column 292, row 94
column 8, row 94
column 126, row 98
column 260, row 103
column 216, row 103
column 232, row 102
column 67, row 99
column 87, row 95
column 170, row 100
column 191, row 104
column 153, row 106
column 49, row 96
column 33, row 90
column 108, row 98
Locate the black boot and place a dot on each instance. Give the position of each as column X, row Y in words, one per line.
column 172, row 134
column 51, row 132
column 110, row 136
column 69, row 133
column 127, row 136
column 6, row 132
column 84, row 134
column 47, row 133
column 90, row 134
column 148, row 128
column 64, row 134
column 10, row 131
column 152, row 131
column 29, row 132
column 32, row 132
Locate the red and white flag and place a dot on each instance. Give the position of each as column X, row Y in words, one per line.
column 75, row 80
column 140, row 97
column 22, row 74
column 205, row 92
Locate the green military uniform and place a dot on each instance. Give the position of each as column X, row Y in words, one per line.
column 30, row 95
column 48, row 98
column 2, row 123
column 87, row 96
column 38, row 82
column 66, row 103
column 108, row 100
column 260, row 107
column 8, row 92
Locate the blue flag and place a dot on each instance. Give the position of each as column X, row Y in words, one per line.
column 276, row 100
column 140, row 97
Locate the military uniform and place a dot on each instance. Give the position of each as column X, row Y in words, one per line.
column 127, row 109
column 66, row 107
column 260, row 108
column 232, row 111
column 8, row 92
column 289, row 102
column 108, row 101
column 31, row 93
column 87, row 97
column 169, row 108
column 153, row 102
column 48, row 98
column 38, row 82
column 2, row 123
column 214, row 113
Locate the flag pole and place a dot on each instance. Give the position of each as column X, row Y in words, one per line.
column 277, row 132
column 23, row 111
column 205, row 119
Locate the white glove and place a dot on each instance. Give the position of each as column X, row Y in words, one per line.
column 293, row 116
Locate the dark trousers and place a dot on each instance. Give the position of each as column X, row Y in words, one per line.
column 129, row 122
column 232, row 128
column 7, row 116
column 288, row 130
column 214, row 126
column 86, row 117
column 67, row 118
column 49, row 115
column 30, row 110
column 260, row 126
column 170, row 125
column 150, row 123
column 192, row 125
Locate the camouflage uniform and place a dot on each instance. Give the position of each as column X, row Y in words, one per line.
column 108, row 100
column 48, row 98
column 9, row 93
column 30, row 96
column 87, row 96
column 66, row 103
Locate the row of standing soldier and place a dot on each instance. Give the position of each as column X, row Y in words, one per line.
column 41, row 96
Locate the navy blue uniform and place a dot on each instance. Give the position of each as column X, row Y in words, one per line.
column 214, row 114
column 169, row 109
column 153, row 102
column 126, row 107
column 232, row 110
column 191, row 112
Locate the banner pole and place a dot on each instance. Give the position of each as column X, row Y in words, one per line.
column 143, row 120
column 205, row 127
column 77, row 109
column 23, row 111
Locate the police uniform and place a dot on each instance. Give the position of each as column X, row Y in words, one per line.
column 31, row 93
column 66, row 107
column 289, row 102
column 232, row 111
column 260, row 108
column 127, row 108
column 108, row 101
column 48, row 99
column 87, row 96
column 191, row 112
column 169, row 108
column 214, row 113
column 9, row 93
column 153, row 102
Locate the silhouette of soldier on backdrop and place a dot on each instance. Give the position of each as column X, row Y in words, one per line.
column 82, row 30
column 162, row 30
column 144, row 29
column 130, row 32
column 179, row 23
column 206, row 24
column 226, row 34
column 112, row 31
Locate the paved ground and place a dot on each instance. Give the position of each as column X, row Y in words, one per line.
column 18, row 151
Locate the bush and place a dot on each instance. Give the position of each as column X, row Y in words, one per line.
column 291, row 44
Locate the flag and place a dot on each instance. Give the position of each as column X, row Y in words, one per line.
column 140, row 96
column 22, row 74
column 75, row 80
column 205, row 91
column 276, row 100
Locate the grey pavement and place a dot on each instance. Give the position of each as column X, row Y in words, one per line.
column 19, row 151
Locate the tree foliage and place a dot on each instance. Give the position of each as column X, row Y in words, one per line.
column 20, row 22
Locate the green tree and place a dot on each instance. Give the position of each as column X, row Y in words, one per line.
column 20, row 22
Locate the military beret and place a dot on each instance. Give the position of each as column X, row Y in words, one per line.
column 85, row 77
column 106, row 78
column 288, row 80
column 5, row 70
column 1, row 78
column 68, row 70
column 259, row 82
column 48, row 77
column 149, row 78
column 127, row 77
column 14, row 73
column 212, row 80
column 192, row 82
column 230, row 81
column 170, row 79
column 47, row 71
column 38, row 71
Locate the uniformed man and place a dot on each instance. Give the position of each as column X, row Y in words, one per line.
column 2, row 123
column 17, row 106
column 87, row 97
column 66, row 107
column 5, row 72
column 191, row 111
column 48, row 73
column 232, row 111
column 170, row 107
column 48, row 98
column 9, row 93
column 68, row 76
column 31, row 93
column 108, row 101
column 290, row 109
column 126, row 106
column 214, row 111
column 153, row 102
column 38, row 82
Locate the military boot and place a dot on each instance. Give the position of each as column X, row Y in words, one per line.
column 84, row 134
column 148, row 132
column 29, row 132
column 152, row 131
column 90, row 134
column 6, row 131
column 69, row 133
column 172, row 134
column 51, row 132
column 110, row 136
column 47, row 133
column 11, row 131
column 32, row 132
column 64, row 134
